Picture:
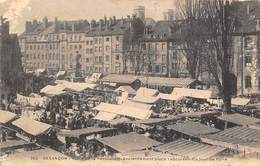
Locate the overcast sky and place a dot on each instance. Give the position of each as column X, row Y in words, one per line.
column 18, row 11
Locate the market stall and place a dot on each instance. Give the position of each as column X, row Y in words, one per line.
column 128, row 142
column 190, row 149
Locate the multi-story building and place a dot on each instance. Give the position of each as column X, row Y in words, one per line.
column 246, row 48
column 105, row 43
column 52, row 45
column 56, row 45
column 10, row 62
column 161, row 46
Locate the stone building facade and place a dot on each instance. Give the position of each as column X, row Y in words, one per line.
column 54, row 45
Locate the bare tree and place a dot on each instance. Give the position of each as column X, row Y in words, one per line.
column 207, row 36
column 221, row 25
column 132, row 45
column 192, row 33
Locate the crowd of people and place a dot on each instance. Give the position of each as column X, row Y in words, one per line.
column 185, row 105
column 67, row 113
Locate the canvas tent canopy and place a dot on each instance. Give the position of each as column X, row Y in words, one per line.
column 105, row 116
column 168, row 82
column 129, row 142
column 193, row 129
column 127, row 89
column 239, row 138
column 190, row 149
column 192, row 93
column 51, row 90
column 116, row 78
column 106, row 107
column 169, row 97
column 77, row 87
column 6, row 116
column 31, row 126
column 146, row 99
column 123, row 110
column 129, row 103
column 239, row 119
column 152, row 121
column 238, row 101
column 150, row 81
column 147, row 92
column 85, row 131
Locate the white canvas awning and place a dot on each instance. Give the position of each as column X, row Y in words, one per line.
column 129, row 103
column 31, row 126
column 169, row 97
column 78, row 87
column 238, row 101
column 6, row 116
column 147, row 92
column 124, row 110
column 129, row 142
column 135, row 112
column 105, row 116
column 146, row 99
column 53, row 90
column 106, row 107
column 127, row 89
column 192, row 93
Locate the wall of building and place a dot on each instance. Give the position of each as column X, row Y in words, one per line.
column 245, row 63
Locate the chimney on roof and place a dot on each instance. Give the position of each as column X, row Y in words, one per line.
column 134, row 16
column 122, row 21
column 105, row 19
column 92, row 24
column 45, row 22
column 100, row 24
column 111, row 20
column 56, row 24
column 28, row 26
column 65, row 25
column 114, row 19
column 108, row 25
column 73, row 27
column 35, row 22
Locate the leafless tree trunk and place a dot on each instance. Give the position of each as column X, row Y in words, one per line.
column 192, row 14
column 221, row 25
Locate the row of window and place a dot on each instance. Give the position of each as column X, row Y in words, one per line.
column 42, row 47
column 156, row 46
column 99, row 40
column 43, row 65
column 76, row 47
column 44, row 57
